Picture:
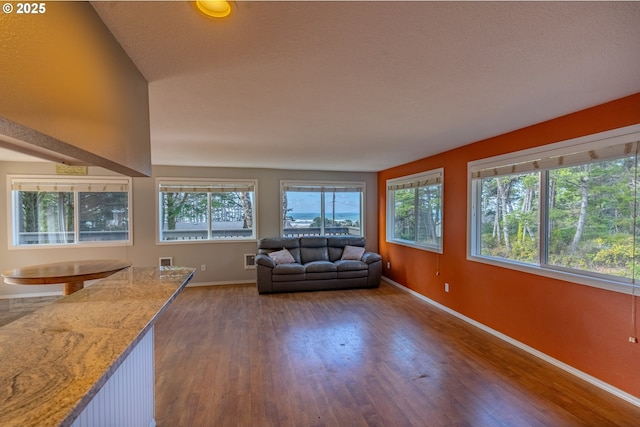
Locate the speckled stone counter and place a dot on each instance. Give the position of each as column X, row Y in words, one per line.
column 56, row 359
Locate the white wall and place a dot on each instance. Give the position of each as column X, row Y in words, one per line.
column 224, row 260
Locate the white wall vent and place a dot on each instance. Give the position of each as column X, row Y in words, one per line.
column 249, row 261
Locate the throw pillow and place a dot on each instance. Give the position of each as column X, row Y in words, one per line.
column 282, row 257
column 352, row 252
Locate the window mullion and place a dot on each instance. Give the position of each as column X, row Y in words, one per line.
column 76, row 217
column 476, row 204
column 16, row 218
column 209, row 217
column 415, row 214
column 322, row 213
column 543, row 218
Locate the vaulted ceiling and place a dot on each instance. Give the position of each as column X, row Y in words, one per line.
column 364, row 86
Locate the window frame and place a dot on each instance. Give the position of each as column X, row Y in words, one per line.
column 585, row 144
column 320, row 186
column 203, row 182
column 67, row 181
column 413, row 181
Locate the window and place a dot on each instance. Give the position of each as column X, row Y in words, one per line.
column 69, row 211
column 322, row 208
column 509, row 217
column 569, row 209
column 219, row 210
column 414, row 210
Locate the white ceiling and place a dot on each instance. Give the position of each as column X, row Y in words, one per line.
column 364, row 86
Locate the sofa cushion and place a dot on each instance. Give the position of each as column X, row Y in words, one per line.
column 278, row 278
column 328, row 275
column 275, row 243
column 282, row 257
column 288, row 269
column 352, row 274
column 352, row 252
column 313, row 249
column 320, row 267
column 350, row 265
column 270, row 244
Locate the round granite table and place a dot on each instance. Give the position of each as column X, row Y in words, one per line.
column 72, row 273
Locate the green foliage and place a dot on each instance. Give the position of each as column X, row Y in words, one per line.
column 193, row 207
column 590, row 217
column 417, row 214
column 103, row 211
column 331, row 223
column 44, row 212
column 615, row 252
column 181, row 207
column 510, row 215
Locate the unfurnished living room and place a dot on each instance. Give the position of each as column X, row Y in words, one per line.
column 310, row 213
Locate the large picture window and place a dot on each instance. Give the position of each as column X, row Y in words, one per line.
column 69, row 211
column 218, row 210
column 414, row 210
column 322, row 208
column 571, row 209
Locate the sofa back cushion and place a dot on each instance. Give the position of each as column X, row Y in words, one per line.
column 273, row 244
column 308, row 249
column 336, row 245
column 313, row 249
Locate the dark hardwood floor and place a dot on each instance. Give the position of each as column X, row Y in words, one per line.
column 226, row 356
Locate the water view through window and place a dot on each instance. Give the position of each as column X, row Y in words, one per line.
column 322, row 209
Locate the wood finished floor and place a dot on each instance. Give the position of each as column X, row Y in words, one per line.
column 226, row 356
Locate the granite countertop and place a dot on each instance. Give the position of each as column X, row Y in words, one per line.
column 54, row 360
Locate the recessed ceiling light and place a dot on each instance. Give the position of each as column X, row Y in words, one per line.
column 214, row 8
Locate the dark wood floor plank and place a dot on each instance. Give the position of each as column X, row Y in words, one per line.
column 226, row 356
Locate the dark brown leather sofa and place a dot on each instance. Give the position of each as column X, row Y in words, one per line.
column 317, row 265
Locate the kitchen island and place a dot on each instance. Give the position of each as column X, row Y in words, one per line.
column 87, row 359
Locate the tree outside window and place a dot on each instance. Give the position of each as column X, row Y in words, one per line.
column 510, row 217
column 592, row 211
column 570, row 211
column 414, row 214
column 215, row 210
column 68, row 211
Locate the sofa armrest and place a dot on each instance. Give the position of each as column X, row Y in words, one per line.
column 264, row 270
column 371, row 257
column 265, row 260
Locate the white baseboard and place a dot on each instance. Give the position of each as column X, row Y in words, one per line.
column 565, row 367
column 230, row 282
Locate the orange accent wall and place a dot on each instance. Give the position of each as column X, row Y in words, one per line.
column 585, row 327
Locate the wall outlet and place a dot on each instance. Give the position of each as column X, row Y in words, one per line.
column 633, row 340
column 203, row 267
column 446, row 287
column 388, row 265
